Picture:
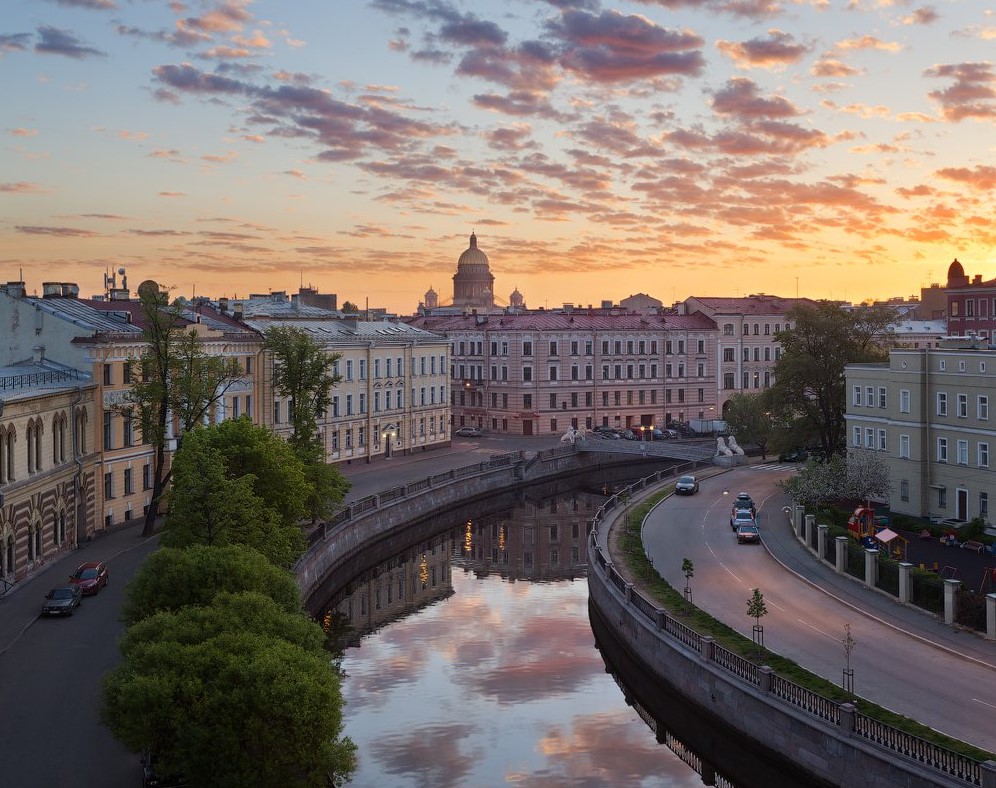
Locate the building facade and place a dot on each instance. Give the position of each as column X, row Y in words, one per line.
column 971, row 303
column 543, row 372
column 927, row 413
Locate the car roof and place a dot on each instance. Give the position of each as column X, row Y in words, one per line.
column 91, row 565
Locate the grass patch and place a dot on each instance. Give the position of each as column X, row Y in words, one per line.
column 652, row 586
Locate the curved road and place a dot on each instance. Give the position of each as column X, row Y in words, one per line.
column 900, row 671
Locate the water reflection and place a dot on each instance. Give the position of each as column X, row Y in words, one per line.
column 472, row 661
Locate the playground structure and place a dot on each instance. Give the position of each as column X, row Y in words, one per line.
column 874, row 532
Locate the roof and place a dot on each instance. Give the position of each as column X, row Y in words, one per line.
column 30, row 378
column 332, row 330
column 115, row 317
column 760, row 304
column 938, row 327
column 561, row 321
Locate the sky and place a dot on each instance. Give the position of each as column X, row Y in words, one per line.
column 598, row 149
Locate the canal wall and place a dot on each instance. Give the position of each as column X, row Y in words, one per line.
column 382, row 520
column 830, row 741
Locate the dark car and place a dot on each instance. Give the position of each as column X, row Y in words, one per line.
column 62, row 600
column 629, row 435
column 90, row 577
column 748, row 533
column 468, row 432
column 686, row 485
column 744, row 501
column 795, row 455
column 742, row 517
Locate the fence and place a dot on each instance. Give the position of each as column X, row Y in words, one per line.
column 956, row 766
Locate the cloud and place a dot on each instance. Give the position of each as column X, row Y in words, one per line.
column 973, row 94
column 62, row 42
column 778, row 49
column 981, row 177
column 613, row 47
column 830, row 67
column 172, row 194
column 922, row 16
column 13, row 42
column 62, row 232
column 740, row 98
column 21, row 132
column 22, row 187
column 94, row 5
column 867, row 42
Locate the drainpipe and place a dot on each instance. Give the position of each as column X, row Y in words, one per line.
column 77, row 486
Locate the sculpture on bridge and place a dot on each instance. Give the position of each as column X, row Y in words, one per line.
column 734, row 446
column 573, row 435
column 722, row 450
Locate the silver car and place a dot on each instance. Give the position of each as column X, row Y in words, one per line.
column 686, row 485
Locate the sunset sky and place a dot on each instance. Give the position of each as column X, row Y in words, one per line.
column 598, row 149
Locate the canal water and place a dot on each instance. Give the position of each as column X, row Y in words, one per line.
column 470, row 660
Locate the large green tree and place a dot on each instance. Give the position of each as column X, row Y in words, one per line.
column 304, row 372
column 860, row 475
column 748, row 417
column 235, row 693
column 809, row 390
column 175, row 384
column 171, row 578
column 208, row 506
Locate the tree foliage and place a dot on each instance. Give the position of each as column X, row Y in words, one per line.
column 748, row 417
column 756, row 608
column 171, row 579
column 209, row 507
column 809, row 390
column 236, row 693
column 175, row 384
column 858, row 476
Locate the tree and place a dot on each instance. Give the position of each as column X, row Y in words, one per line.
column 350, row 307
column 859, row 476
column 304, row 373
column 175, row 385
column 171, row 579
column 756, row 609
column 236, row 693
column 688, row 570
column 207, row 507
column 748, row 417
column 808, row 392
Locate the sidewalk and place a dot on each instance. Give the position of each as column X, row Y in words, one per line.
column 20, row 607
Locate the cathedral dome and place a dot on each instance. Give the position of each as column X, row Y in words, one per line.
column 956, row 275
column 473, row 255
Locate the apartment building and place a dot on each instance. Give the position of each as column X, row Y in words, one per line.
column 393, row 390
column 98, row 338
column 745, row 343
column 927, row 412
column 543, row 372
column 47, row 464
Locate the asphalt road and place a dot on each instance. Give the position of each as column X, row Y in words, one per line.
column 50, row 679
column 902, row 672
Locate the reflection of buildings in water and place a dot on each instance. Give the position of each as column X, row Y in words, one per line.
column 410, row 581
column 541, row 539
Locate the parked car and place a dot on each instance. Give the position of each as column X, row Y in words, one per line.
column 744, row 501
column 795, row 455
column 62, row 600
column 469, row 432
column 748, row 533
column 742, row 517
column 90, row 577
column 629, row 435
column 686, row 485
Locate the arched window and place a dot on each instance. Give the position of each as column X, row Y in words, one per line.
column 38, row 444
column 3, row 455
column 31, row 543
column 62, row 527
column 55, row 529
column 9, row 443
column 38, row 541
column 31, row 446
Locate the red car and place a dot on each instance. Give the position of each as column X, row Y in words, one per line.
column 90, row 577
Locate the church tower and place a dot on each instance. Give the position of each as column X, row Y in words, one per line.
column 473, row 283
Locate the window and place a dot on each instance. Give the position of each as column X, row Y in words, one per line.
column 728, row 354
column 942, row 404
column 962, row 449
column 128, row 428
column 983, row 407
column 553, row 401
column 856, row 396
column 126, row 370
column 904, row 401
column 881, row 396
column 983, row 455
column 963, row 406
column 870, row 396
column 276, row 412
column 108, row 485
column 146, row 477
column 904, row 490
column 527, row 400
column 728, row 379
column 942, row 498
column 553, row 373
column 108, row 377
column 728, row 329
column 553, row 348
column 984, row 505
column 108, row 430
column 527, row 374
column 128, row 483
column 904, row 447
column 869, row 438
column 942, row 449
column 883, row 443
column 527, row 348
column 747, row 355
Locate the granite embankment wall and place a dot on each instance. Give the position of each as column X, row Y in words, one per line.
column 831, row 741
column 332, row 556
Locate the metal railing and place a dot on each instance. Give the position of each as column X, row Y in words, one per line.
column 37, row 378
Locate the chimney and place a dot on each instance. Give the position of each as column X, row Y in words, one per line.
column 70, row 290
column 237, row 312
column 15, row 289
column 51, row 289
column 223, row 305
column 119, row 294
column 38, row 354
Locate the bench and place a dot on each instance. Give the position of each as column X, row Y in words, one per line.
column 976, row 546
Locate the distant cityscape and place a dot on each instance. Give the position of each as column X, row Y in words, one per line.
column 73, row 461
